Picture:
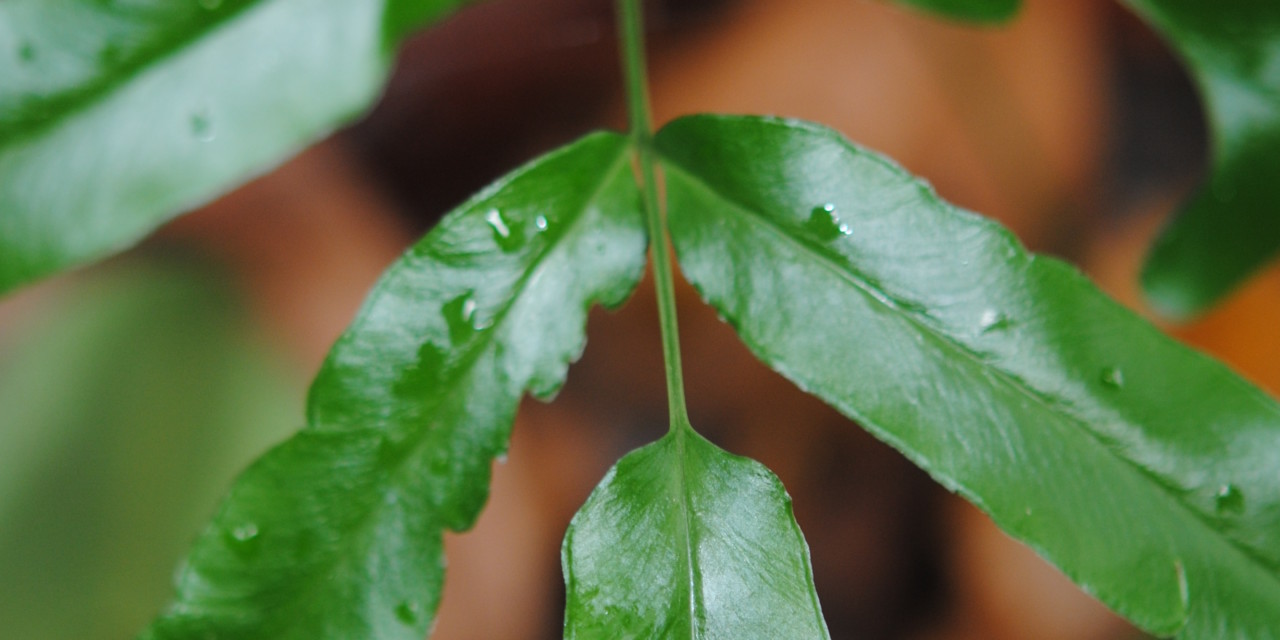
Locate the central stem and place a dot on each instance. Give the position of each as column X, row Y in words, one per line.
column 631, row 27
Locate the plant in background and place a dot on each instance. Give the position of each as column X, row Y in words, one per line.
column 1147, row 472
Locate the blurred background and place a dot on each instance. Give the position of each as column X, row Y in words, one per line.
column 133, row 391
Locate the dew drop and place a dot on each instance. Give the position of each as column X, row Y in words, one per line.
column 501, row 458
column 474, row 319
column 1229, row 500
column 1112, row 377
column 244, row 538
column 458, row 315
column 541, row 223
column 247, row 532
column 408, row 612
column 27, row 52
column 825, row 223
column 499, row 224
column 202, row 126
column 506, row 232
column 992, row 320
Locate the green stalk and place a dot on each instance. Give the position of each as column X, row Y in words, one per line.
column 631, row 27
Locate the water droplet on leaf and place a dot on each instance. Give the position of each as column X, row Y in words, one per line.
column 499, row 224
column 992, row 320
column 1112, row 377
column 246, row 532
column 478, row 323
column 825, row 223
column 202, row 126
column 541, row 223
column 408, row 612
column 507, row 233
column 244, row 538
column 458, row 315
column 1229, row 500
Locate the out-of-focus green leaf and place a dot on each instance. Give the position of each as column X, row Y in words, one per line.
column 980, row 11
column 336, row 534
column 683, row 540
column 115, row 116
column 1144, row 470
column 1232, row 225
column 127, row 403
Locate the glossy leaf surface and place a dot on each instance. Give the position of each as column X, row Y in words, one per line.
column 1144, row 470
column 115, row 116
column 1231, row 226
column 980, row 11
column 337, row 532
column 683, row 540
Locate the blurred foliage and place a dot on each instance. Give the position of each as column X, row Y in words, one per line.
column 126, row 407
column 980, row 11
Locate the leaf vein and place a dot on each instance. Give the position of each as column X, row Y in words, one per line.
column 863, row 283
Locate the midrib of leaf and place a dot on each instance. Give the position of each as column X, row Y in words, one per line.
column 484, row 340
column 480, row 343
column 905, row 310
column 57, row 108
column 690, row 550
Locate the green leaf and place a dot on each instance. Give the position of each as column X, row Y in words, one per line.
column 683, row 540
column 337, row 532
column 980, row 11
column 1145, row 471
column 1231, row 226
column 115, row 116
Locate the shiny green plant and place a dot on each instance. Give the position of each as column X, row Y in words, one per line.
column 1150, row 474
